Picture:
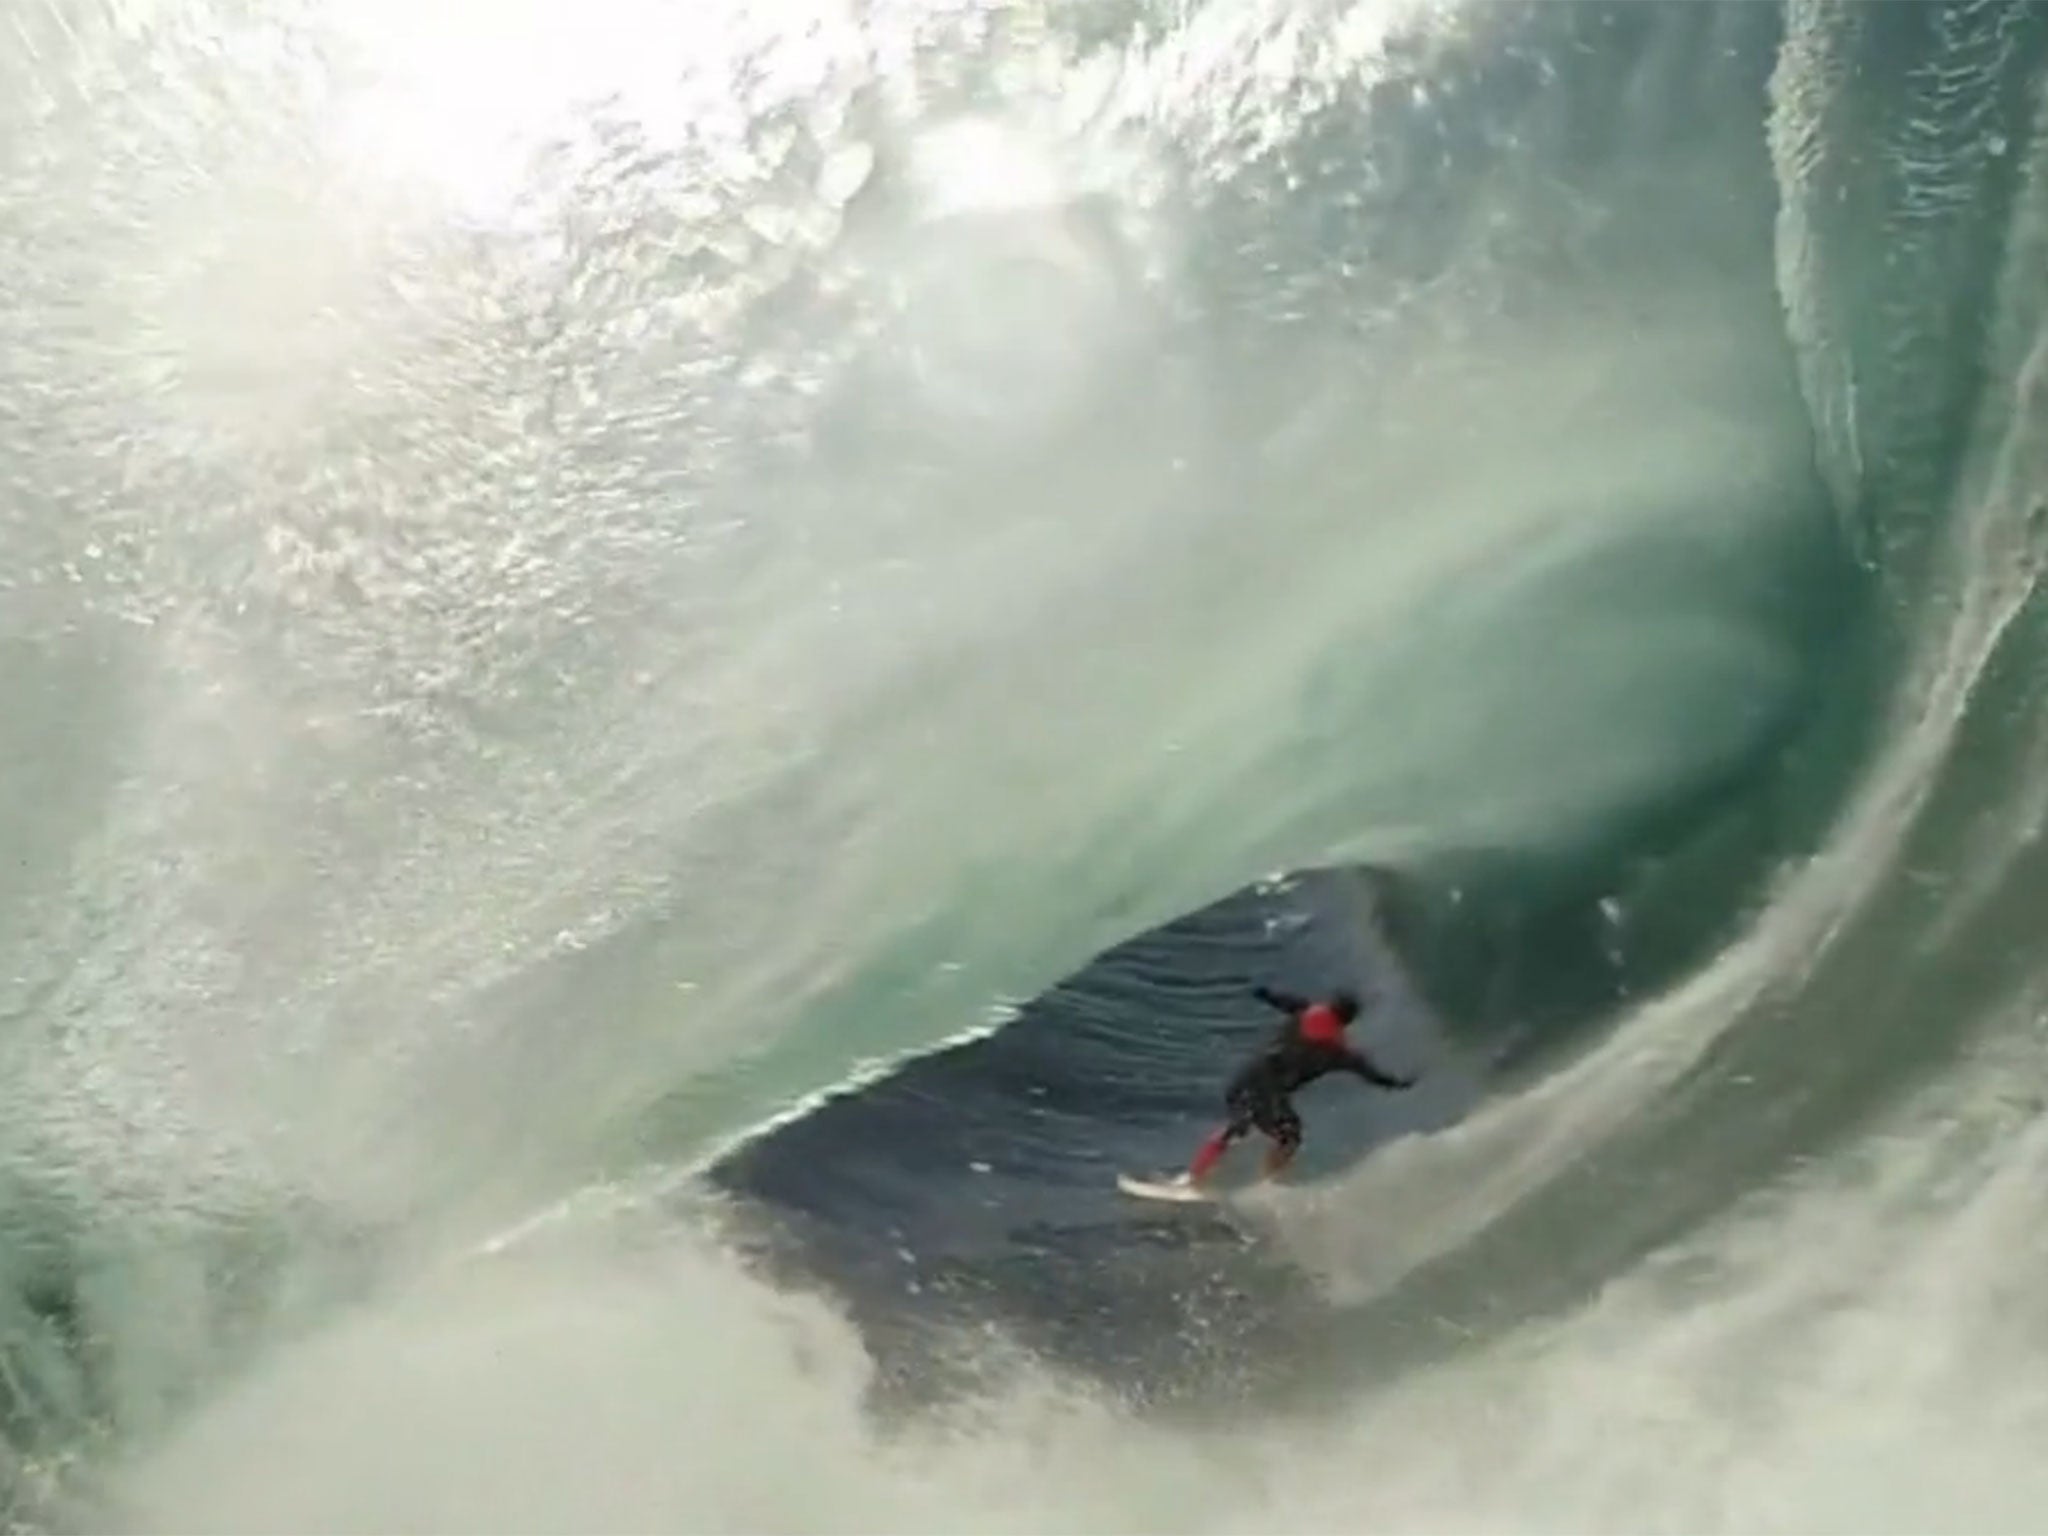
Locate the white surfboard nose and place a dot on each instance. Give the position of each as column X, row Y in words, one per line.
column 1178, row 1189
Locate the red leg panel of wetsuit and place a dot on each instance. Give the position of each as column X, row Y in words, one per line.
column 1209, row 1155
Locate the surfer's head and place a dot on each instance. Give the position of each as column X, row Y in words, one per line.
column 1344, row 1005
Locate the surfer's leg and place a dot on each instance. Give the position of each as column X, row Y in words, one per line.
column 1283, row 1127
column 1210, row 1153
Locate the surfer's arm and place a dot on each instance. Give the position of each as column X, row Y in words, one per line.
column 1363, row 1066
column 1285, row 1002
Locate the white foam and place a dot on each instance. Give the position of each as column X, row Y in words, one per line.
column 1854, row 1354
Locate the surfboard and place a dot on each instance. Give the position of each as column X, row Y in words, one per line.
column 1175, row 1190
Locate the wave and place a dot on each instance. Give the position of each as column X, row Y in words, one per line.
column 976, row 1185
column 588, row 672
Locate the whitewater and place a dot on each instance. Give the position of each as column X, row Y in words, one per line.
column 667, row 667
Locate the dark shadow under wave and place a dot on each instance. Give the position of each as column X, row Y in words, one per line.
column 971, row 1190
column 976, row 1185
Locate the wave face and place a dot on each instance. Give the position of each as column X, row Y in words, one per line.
column 658, row 656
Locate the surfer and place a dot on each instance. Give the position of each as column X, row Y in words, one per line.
column 1309, row 1045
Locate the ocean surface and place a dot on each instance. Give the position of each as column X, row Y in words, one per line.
column 667, row 668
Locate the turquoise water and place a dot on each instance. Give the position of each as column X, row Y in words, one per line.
column 574, row 577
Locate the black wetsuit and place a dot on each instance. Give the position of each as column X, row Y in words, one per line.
column 1309, row 1045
